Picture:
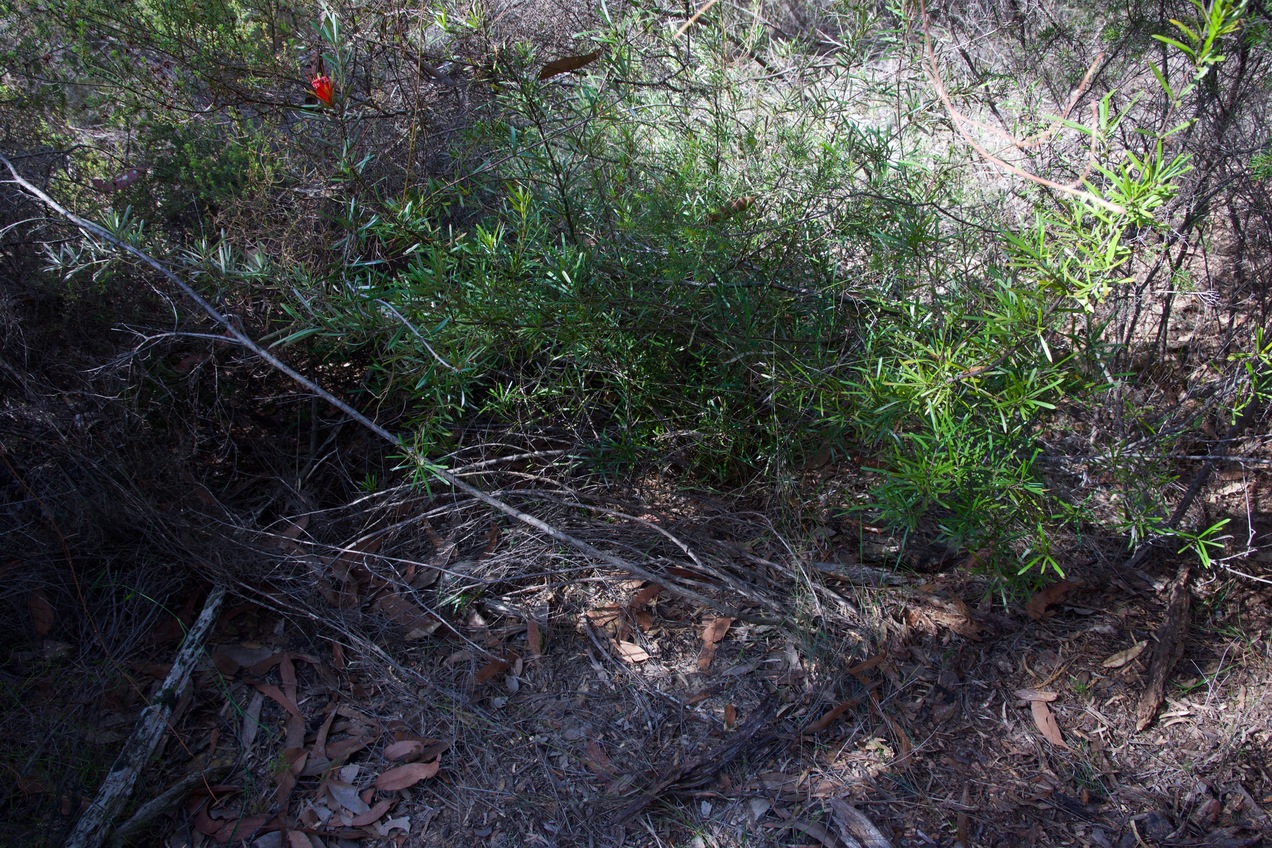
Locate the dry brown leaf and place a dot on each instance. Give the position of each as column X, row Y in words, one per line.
column 904, row 745
column 320, row 740
column 1046, row 723
column 272, row 692
column 407, row 775
column 867, row 665
column 298, row 839
column 492, row 669
column 599, row 761
column 1122, row 658
column 1035, row 695
column 631, row 652
column 828, row 718
column 711, row 636
column 228, row 659
column 605, row 617
column 286, row 780
column 951, row 613
column 119, row 183
column 730, row 716
column 569, row 63
column 424, row 578
column 728, row 210
column 404, row 750
column 41, row 612
column 1053, row 594
column 191, row 361
column 345, row 748
column 290, row 532
column 534, row 638
column 347, row 796
column 644, row 596
column 361, row 547
column 968, row 627
column 417, row 623
column 261, row 823
column 374, row 814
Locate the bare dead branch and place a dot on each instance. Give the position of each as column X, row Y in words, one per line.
column 961, row 121
column 450, row 479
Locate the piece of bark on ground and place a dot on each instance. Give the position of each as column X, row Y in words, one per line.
column 1167, row 651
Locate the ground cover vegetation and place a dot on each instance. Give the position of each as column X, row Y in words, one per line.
column 965, row 287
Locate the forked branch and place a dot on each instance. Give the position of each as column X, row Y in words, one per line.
column 961, row 122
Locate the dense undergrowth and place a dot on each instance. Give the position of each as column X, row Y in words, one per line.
column 716, row 250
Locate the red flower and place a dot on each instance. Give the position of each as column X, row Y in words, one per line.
column 323, row 90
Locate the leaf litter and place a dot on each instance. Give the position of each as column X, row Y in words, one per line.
column 669, row 731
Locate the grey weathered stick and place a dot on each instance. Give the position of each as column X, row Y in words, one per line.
column 147, row 813
column 853, row 824
column 96, row 822
column 274, row 362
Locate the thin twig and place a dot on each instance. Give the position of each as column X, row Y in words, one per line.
column 693, row 20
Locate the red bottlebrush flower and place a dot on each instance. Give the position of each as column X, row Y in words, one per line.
column 323, row 90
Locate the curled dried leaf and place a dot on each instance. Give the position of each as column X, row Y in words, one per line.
column 534, row 637
column 711, row 636
column 631, row 652
column 1036, row 609
column 828, row 718
column 568, row 64
column 406, row 776
column 374, row 814
column 405, row 750
column 492, row 669
column 1046, row 723
column 733, row 207
column 1122, row 658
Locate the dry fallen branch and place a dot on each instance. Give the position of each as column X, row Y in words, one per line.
column 756, row 731
column 234, row 331
column 93, row 826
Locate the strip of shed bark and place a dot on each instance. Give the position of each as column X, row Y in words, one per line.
column 95, row 824
column 1167, row 651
